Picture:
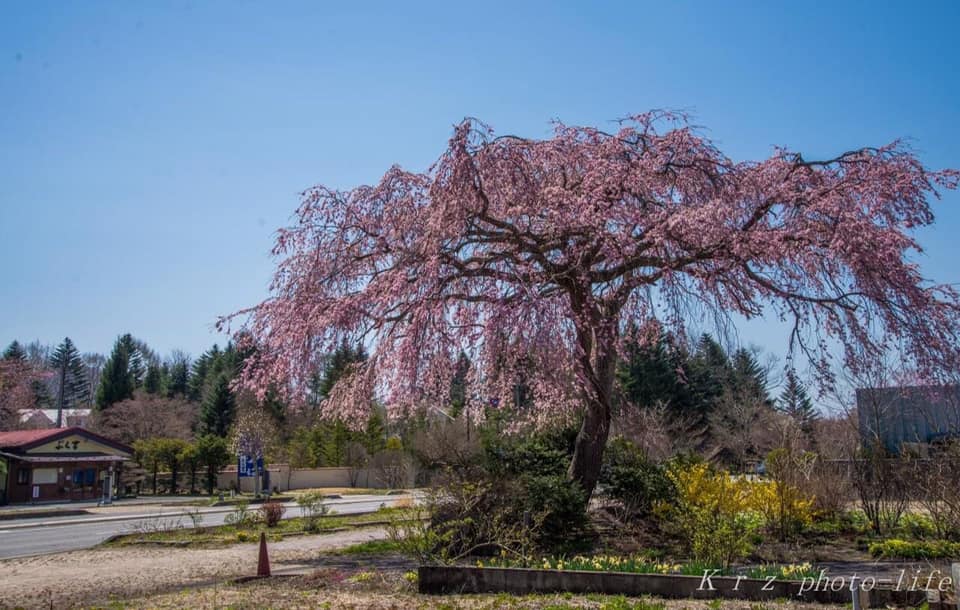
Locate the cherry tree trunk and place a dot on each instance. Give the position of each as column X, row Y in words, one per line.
column 595, row 429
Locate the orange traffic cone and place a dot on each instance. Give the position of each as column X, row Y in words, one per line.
column 263, row 563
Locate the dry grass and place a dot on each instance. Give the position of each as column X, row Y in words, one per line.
column 342, row 491
column 382, row 591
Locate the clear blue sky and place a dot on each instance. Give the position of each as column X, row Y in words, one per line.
column 149, row 150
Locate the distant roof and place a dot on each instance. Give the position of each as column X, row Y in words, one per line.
column 51, row 414
column 24, row 439
column 19, row 438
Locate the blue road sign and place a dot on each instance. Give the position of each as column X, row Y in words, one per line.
column 245, row 466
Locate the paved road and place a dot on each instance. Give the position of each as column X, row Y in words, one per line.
column 26, row 537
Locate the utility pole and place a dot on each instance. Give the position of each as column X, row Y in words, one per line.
column 60, row 394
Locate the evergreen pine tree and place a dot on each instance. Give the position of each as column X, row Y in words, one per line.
column 218, row 408
column 375, row 432
column 178, row 379
column 458, row 385
column 648, row 376
column 73, row 386
column 795, row 402
column 136, row 368
column 341, row 358
column 274, row 406
column 15, row 351
column 152, row 380
column 748, row 380
column 118, row 379
column 707, row 374
column 201, row 370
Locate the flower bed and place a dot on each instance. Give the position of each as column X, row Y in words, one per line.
column 921, row 549
column 710, row 586
column 641, row 564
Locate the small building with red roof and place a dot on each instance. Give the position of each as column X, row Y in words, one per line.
column 58, row 465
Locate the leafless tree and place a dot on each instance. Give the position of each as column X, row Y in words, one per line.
column 357, row 458
column 147, row 416
column 743, row 429
column 446, row 443
column 392, row 467
column 937, row 487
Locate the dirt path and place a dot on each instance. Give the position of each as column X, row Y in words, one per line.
column 70, row 579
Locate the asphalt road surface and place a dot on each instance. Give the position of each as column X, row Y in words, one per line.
column 39, row 536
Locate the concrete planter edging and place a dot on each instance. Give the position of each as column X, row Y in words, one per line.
column 466, row 579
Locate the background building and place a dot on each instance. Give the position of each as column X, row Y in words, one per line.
column 58, row 465
column 913, row 417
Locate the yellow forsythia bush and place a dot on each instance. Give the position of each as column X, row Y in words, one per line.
column 785, row 509
column 717, row 514
column 712, row 513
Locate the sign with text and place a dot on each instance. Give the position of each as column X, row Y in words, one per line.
column 245, row 466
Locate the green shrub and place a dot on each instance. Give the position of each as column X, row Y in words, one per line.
column 632, row 479
column 241, row 514
column 918, row 526
column 312, row 508
column 544, row 453
column 906, row 549
column 560, row 507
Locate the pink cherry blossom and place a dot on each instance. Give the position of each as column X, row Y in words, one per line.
column 532, row 256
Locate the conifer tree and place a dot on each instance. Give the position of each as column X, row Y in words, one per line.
column 748, row 379
column 795, row 402
column 73, row 387
column 342, row 357
column 178, row 378
column 218, row 408
column 119, row 378
column 152, row 379
column 201, row 370
column 648, row 375
column 458, row 385
column 15, row 351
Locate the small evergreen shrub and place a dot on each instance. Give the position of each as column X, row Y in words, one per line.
column 629, row 477
column 559, row 505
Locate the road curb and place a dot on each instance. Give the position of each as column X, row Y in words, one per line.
column 39, row 514
column 108, row 519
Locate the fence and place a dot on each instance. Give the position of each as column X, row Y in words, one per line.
column 284, row 478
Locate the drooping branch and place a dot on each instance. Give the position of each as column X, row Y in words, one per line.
column 532, row 254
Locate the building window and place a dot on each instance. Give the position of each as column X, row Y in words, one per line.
column 78, row 477
column 91, row 477
column 44, row 476
column 23, row 476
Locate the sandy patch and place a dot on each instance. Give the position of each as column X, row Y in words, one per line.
column 65, row 580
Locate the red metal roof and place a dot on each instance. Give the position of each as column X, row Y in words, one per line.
column 18, row 438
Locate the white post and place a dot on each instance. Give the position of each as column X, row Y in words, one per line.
column 955, row 572
column 861, row 597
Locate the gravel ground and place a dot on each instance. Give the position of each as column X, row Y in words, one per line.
column 82, row 578
column 335, row 589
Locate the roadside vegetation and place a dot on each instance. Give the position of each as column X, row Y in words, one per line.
column 508, row 504
column 245, row 525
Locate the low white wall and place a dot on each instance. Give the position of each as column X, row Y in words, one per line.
column 284, row 478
